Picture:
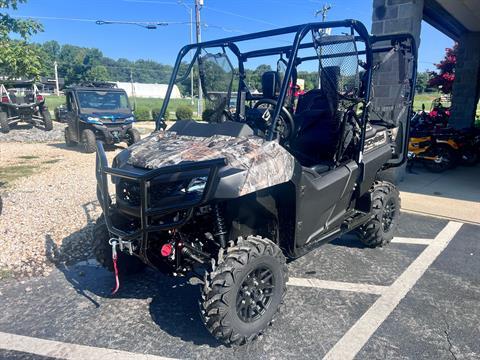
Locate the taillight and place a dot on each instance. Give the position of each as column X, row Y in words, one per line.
column 39, row 98
column 5, row 99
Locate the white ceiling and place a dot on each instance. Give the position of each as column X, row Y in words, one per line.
column 465, row 11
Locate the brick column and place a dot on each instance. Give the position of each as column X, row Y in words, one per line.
column 466, row 88
column 393, row 17
column 397, row 16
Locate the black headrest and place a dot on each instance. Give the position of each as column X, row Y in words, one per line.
column 270, row 84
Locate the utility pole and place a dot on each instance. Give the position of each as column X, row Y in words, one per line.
column 198, row 7
column 324, row 11
column 133, row 90
column 57, row 87
column 191, row 57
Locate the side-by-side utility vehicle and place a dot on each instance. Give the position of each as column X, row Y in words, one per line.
column 226, row 202
column 98, row 111
column 22, row 103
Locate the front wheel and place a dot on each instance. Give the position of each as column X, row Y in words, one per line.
column 379, row 230
column 68, row 140
column 47, row 120
column 243, row 294
column 4, row 126
column 88, row 141
column 102, row 250
column 133, row 136
column 445, row 159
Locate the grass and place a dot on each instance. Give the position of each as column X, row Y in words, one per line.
column 5, row 274
column 9, row 174
column 28, row 157
column 52, row 161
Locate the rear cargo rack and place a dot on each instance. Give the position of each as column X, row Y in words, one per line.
column 145, row 210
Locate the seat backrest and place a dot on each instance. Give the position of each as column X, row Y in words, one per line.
column 318, row 121
column 270, row 84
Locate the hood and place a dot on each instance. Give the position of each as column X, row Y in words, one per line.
column 259, row 163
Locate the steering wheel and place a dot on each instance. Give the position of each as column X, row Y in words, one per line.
column 285, row 124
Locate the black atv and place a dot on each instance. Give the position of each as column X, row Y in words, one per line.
column 98, row 111
column 227, row 202
column 23, row 103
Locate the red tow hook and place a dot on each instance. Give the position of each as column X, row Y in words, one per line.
column 114, row 243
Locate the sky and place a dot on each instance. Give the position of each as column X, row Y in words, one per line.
column 73, row 22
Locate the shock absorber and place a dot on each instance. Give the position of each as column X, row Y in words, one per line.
column 220, row 230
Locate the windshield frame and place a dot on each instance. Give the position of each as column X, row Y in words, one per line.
column 86, row 110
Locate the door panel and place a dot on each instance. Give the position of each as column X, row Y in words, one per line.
column 322, row 200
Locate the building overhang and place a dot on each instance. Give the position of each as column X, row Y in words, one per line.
column 453, row 17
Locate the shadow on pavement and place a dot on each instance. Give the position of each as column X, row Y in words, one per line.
column 174, row 305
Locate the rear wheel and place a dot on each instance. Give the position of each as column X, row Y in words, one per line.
column 4, row 127
column 243, row 294
column 379, row 230
column 126, row 264
column 133, row 136
column 88, row 141
column 47, row 120
column 445, row 159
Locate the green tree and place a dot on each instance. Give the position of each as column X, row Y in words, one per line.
column 97, row 73
column 18, row 58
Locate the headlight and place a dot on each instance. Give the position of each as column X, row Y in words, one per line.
column 196, row 185
column 394, row 133
column 94, row 120
column 130, row 119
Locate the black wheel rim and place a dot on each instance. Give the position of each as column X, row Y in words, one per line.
column 388, row 215
column 255, row 294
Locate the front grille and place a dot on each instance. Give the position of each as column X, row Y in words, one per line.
column 160, row 194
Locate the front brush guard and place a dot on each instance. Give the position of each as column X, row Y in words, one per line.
column 146, row 212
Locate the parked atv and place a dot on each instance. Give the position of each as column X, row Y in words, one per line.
column 438, row 146
column 21, row 102
column 227, row 202
column 98, row 112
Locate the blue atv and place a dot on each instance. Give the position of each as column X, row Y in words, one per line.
column 98, row 112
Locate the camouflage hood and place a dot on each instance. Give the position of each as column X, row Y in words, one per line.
column 264, row 163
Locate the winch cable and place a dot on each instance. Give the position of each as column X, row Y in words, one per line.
column 114, row 244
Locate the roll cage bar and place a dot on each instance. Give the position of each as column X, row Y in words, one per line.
column 357, row 29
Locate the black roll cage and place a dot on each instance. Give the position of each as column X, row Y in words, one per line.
column 291, row 51
column 357, row 29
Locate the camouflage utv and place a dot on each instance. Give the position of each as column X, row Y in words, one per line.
column 226, row 202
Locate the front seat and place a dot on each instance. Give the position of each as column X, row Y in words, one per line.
column 318, row 123
column 270, row 85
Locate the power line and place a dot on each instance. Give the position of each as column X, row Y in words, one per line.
column 144, row 22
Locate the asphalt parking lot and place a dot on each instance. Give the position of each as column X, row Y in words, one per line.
column 418, row 297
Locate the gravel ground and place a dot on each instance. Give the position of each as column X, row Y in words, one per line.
column 31, row 134
column 47, row 217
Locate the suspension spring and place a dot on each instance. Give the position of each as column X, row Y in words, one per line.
column 220, row 231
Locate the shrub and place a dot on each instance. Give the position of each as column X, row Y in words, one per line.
column 143, row 114
column 156, row 112
column 184, row 112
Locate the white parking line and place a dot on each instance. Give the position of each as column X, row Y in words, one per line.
column 415, row 241
column 358, row 335
column 337, row 285
column 63, row 350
